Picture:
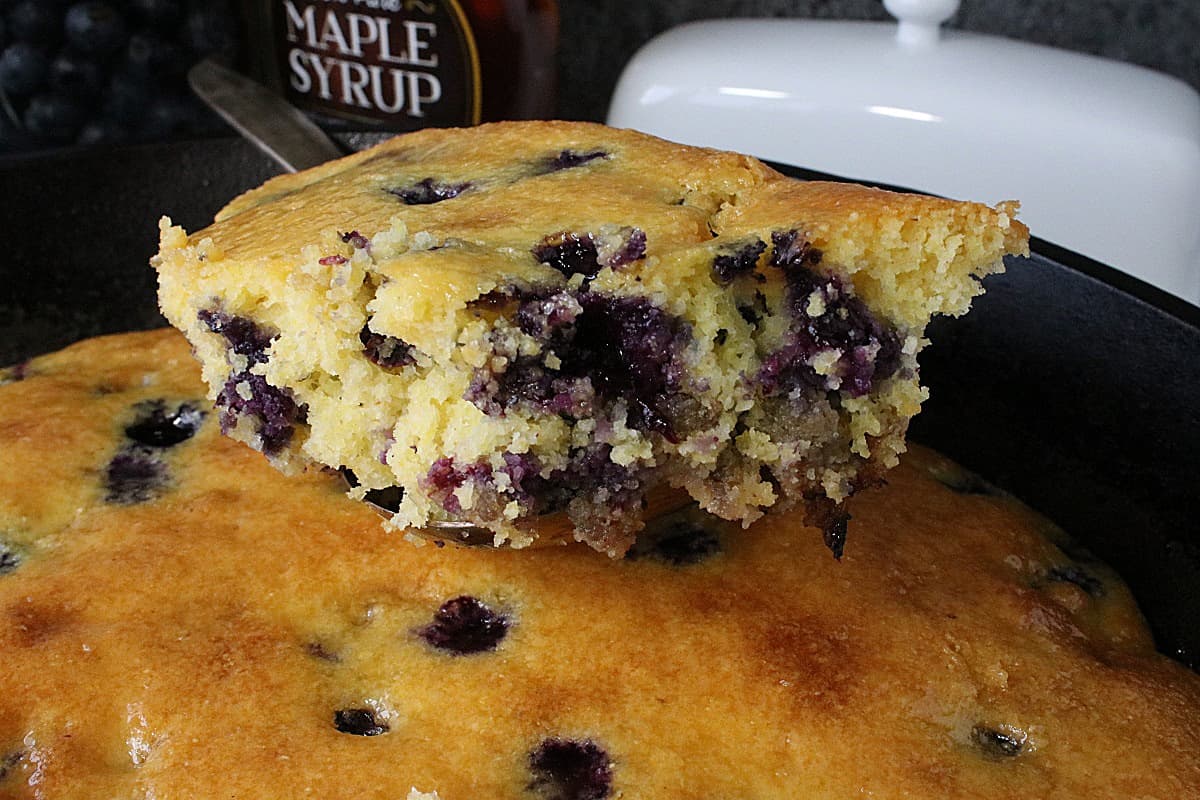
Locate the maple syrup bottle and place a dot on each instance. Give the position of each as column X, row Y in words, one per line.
column 405, row 64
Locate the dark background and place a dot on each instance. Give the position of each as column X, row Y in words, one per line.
column 599, row 36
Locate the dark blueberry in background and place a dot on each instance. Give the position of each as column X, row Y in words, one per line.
column 102, row 131
column 155, row 58
column 464, row 626
column 76, row 75
column 127, row 98
column 54, row 117
column 426, row 192
column 209, row 29
column 359, row 722
column 1077, row 575
column 157, row 425
column 23, row 69
column 95, row 27
column 168, row 115
column 569, row 159
column 34, row 21
column 680, row 543
column 564, row 769
column 135, row 475
column 9, row 558
column 998, row 743
column 13, row 139
column 161, row 15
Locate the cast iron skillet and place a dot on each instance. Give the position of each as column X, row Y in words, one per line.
column 1070, row 385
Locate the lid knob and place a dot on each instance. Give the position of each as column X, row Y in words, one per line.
column 920, row 19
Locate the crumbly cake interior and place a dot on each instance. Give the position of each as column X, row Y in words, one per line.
column 502, row 322
column 179, row 620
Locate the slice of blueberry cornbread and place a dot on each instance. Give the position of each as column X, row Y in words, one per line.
column 179, row 620
column 497, row 323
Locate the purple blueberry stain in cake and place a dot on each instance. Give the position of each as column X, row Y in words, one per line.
column 569, row 769
column 428, row 191
column 465, row 626
column 999, row 743
column 604, row 348
column 569, row 159
column 359, row 722
column 274, row 412
column 387, row 352
column 332, row 261
column 1078, row 576
column 574, row 253
column 829, row 326
column 134, row 475
column 738, row 260
column 157, row 425
column 679, row 542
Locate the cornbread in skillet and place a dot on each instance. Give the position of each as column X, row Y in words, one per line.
column 179, row 620
column 520, row 318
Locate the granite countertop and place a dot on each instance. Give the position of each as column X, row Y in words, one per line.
column 598, row 37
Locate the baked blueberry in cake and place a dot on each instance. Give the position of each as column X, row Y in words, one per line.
column 522, row 319
column 235, row 632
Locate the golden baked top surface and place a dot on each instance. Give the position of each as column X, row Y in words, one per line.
column 193, row 630
column 507, row 186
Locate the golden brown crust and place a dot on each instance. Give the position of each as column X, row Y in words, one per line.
column 199, row 643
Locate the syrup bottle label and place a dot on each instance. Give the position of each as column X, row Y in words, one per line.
column 404, row 64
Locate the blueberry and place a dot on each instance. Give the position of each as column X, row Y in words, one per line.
column 1077, row 575
column 169, row 114
column 999, row 743
column 464, row 626
column 825, row 316
column 76, row 75
column 569, row 253
column 388, row 352
column 155, row 58
column 565, row 769
column 161, row 15
column 13, row 139
column 102, row 131
column 33, row 21
column 54, row 117
column 210, row 30
column 679, row 542
column 359, row 722
column 275, row 413
column 356, row 240
column 23, row 69
column 569, row 159
column 244, row 336
column 738, row 260
column 126, row 99
column 95, row 27
column 10, row 559
column 135, row 475
column 158, row 426
column 428, row 191
column 586, row 254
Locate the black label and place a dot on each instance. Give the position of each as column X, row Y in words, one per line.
column 404, row 64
